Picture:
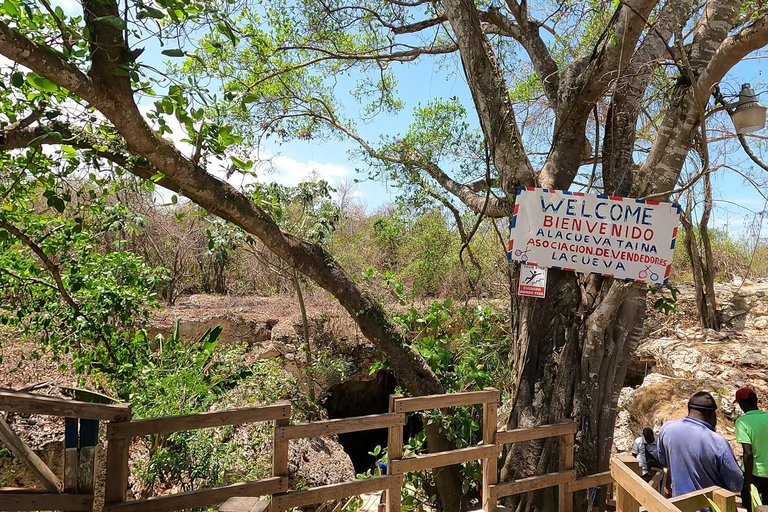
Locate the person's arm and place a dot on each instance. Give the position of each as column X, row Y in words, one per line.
column 749, row 463
column 743, row 436
column 643, row 460
column 733, row 477
column 663, row 463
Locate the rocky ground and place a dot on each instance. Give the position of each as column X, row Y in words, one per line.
column 677, row 358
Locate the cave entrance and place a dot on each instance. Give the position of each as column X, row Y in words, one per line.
column 362, row 398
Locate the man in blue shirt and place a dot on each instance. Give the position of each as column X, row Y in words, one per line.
column 696, row 455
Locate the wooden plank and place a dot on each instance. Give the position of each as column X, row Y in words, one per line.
column 588, row 482
column 440, row 459
column 625, row 502
column 170, row 424
column 202, row 497
column 565, row 497
column 27, row 403
column 18, row 499
column 70, row 455
column 693, row 501
column 339, row 426
column 89, row 436
column 30, row 459
column 393, row 495
column 334, row 492
column 631, row 483
column 244, row 505
column 423, row 403
column 280, row 455
column 725, row 500
column 528, row 434
column 116, row 486
column 490, row 464
column 533, row 483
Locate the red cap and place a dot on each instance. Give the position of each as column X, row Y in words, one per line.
column 744, row 394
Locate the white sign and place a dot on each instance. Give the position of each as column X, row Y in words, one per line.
column 533, row 281
column 613, row 236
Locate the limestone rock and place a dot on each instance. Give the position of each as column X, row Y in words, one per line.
column 319, row 461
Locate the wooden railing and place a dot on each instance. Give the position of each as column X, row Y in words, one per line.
column 81, row 437
column 634, row 493
column 632, row 490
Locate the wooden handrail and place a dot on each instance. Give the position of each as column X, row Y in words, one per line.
column 339, row 426
column 633, row 492
column 693, row 501
column 532, row 433
column 423, row 403
column 26, row 499
column 202, row 497
column 28, row 403
column 631, row 483
column 588, row 482
column 441, row 459
column 334, row 492
column 533, row 483
column 170, row 424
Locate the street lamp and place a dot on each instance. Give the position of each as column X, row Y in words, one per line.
column 748, row 115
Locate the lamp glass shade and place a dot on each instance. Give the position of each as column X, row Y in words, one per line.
column 749, row 115
column 749, row 119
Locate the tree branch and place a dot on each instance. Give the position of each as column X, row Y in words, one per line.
column 52, row 268
column 526, row 32
column 491, row 96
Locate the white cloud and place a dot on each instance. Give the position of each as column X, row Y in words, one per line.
column 68, row 6
column 290, row 172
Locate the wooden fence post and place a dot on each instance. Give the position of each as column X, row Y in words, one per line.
column 491, row 464
column 70, row 454
column 280, row 453
column 89, row 438
column 116, row 487
column 625, row 502
column 394, row 452
column 567, row 444
column 725, row 500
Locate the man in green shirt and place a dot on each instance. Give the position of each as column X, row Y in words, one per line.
column 752, row 433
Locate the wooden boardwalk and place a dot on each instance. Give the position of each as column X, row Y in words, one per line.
column 76, row 491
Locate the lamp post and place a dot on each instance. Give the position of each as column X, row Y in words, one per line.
column 748, row 115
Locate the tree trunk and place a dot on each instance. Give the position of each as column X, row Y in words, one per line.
column 305, row 327
column 711, row 321
column 703, row 278
column 572, row 353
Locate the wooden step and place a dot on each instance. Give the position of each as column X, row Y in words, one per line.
column 244, row 505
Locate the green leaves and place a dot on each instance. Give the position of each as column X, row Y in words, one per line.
column 173, row 53
column 41, row 83
column 11, row 8
column 116, row 21
column 242, row 164
column 150, row 12
column 17, row 79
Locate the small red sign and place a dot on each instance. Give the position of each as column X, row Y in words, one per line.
column 533, row 281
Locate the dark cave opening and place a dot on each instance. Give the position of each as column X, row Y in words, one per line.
column 636, row 372
column 361, row 398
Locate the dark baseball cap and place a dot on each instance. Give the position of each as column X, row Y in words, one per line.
column 744, row 394
column 702, row 401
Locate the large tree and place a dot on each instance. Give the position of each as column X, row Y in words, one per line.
column 590, row 68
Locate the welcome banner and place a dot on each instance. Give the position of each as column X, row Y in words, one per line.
column 613, row 236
